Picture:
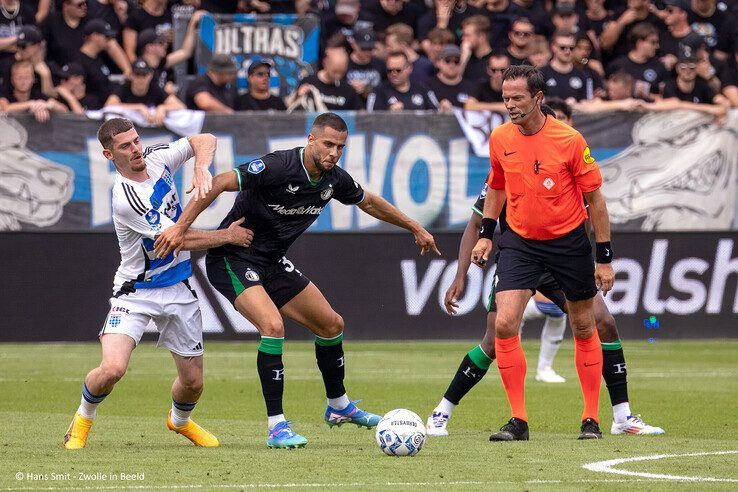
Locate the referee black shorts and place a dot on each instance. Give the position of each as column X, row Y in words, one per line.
column 231, row 275
column 547, row 286
column 568, row 259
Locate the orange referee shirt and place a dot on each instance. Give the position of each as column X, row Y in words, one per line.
column 544, row 176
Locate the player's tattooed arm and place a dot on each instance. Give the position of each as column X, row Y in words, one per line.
column 203, row 146
column 378, row 207
column 173, row 238
column 197, row 239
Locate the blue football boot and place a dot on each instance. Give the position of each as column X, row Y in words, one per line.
column 282, row 436
column 351, row 415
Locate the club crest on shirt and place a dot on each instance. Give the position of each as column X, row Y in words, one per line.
column 587, row 156
column 326, row 193
column 251, row 276
column 152, row 217
column 257, row 166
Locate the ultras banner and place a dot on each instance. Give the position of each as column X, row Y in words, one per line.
column 672, row 171
column 673, row 285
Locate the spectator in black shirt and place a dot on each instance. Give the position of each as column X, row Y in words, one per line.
column 384, row 13
column 398, row 93
column 365, row 72
column 140, row 94
column 15, row 14
column 98, row 35
column 340, row 20
column 593, row 71
column 437, row 38
column 565, row 18
column 521, row 37
column 687, row 86
column 152, row 47
column 678, row 34
column 707, row 18
column 563, row 79
column 153, row 14
column 215, row 91
column 597, row 16
column 449, row 88
column 399, row 37
column 330, row 82
column 114, row 12
column 489, row 93
column 30, row 47
column 475, row 47
column 22, row 97
column 258, row 97
column 614, row 38
column 71, row 90
column 641, row 62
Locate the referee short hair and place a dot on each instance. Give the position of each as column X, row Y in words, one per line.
column 330, row 120
column 533, row 76
column 111, row 128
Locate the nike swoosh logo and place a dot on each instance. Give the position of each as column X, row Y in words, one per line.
column 503, row 368
column 509, row 153
column 590, row 365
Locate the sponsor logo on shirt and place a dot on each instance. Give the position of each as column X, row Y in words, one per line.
column 257, row 166
column 153, row 217
column 282, row 210
column 292, row 189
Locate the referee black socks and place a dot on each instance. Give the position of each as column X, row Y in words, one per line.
column 271, row 373
column 470, row 372
column 329, row 355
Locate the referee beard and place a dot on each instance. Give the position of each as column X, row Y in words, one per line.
column 542, row 167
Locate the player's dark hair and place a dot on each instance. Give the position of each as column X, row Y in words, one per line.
column 547, row 110
column 111, row 128
column 330, row 120
column 640, row 32
column 558, row 104
column 533, row 76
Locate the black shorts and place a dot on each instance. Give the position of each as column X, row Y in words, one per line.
column 231, row 275
column 547, row 286
column 568, row 259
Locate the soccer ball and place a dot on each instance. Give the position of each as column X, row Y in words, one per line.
column 400, row 433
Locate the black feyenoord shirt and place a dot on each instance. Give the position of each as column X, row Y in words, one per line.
column 386, row 95
column 280, row 201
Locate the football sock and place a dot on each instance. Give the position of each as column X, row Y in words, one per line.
column 273, row 420
column 181, row 412
column 329, row 354
column 615, row 372
column 512, row 366
column 339, row 403
column 551, row 337
column 89, row 402
column 445, row 406
column 621, row 412
column 588, row 360
column 271, row 373
column 472, row 369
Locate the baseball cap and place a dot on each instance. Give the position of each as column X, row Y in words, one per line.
column 263, row 62
column 450, row 51
column 564, row 8
column 365, row 37
column 146, row 37
column 29, row 35
column 685, row 5
column 141, row 67
column 98, row 26
column 347, row 7
column 222, row 63
column 70, row 70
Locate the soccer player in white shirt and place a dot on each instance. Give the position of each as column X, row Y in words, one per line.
column 146, row 288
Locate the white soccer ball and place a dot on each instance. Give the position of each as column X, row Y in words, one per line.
column 400, row 433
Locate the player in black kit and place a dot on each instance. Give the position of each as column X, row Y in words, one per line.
column 280, row 195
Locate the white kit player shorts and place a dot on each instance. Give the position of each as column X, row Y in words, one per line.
column 174, row 310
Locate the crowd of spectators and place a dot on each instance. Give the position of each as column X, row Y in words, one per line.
column 396, row 55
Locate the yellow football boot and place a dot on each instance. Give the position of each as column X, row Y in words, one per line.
column 195, row 433
column 76, row 436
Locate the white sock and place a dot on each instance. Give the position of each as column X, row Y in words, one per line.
column 86, row 409
column 339, row 403
column 274, row 420
column 180, row 417
column 531, row 311
column 551, row 337
column 621, row 412
column 445, row 406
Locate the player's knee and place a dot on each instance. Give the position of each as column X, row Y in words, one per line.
column 112, row 372
column 272, row 328
column 334, row 327
column 193, row 384
column 581, row 327
column 506, row 327
column 607, row 328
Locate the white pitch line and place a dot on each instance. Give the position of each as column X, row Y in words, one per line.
column 606, row 467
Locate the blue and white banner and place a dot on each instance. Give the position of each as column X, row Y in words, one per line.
column 662, row 171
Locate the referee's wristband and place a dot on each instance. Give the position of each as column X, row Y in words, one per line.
column 487, row 229
column 603, row 252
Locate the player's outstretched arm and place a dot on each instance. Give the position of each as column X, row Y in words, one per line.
column 604, row 275
column 203, row 146
column 378, row 207
column 173, row 237
column 197, row 239
column 468, row 241
column 492, row 208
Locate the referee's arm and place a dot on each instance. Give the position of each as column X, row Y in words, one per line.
column 492, row 208
column 604, row 274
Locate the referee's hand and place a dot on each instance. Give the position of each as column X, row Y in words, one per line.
column 604, row 277
column 480, row 253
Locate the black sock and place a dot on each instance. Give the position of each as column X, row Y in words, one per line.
column 271, row 374
column 467, row 375
column 331, row 364
column 614, row 371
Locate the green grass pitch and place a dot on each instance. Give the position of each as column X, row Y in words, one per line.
column 688, row 387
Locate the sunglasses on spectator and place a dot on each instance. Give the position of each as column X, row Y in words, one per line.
column 260, row 73
column 690, row 66
column 395, row 70
column 565, row 47
column 80, row 4
column 522, row 34
column 452, row 61
column 496, row 70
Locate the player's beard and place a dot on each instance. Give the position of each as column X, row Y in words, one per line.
column 137, row 165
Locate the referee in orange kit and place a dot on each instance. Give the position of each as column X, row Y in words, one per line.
column 542, row 167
